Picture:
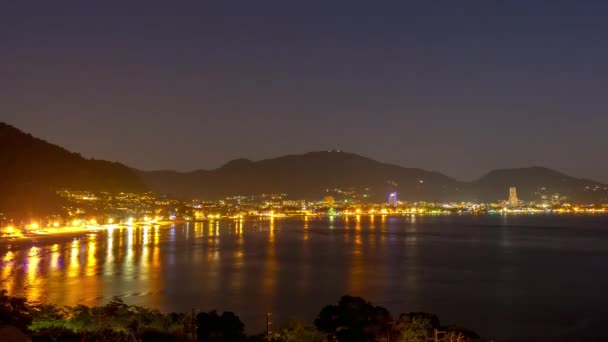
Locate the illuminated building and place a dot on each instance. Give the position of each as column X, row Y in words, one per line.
column 392, row 199
column 513, row 201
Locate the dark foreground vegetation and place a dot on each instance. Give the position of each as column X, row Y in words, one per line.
column 352, row 319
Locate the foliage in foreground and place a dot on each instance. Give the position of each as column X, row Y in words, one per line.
column 352, row 319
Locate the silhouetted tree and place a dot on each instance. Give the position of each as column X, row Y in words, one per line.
column 178, row 323
column 415, row 326
column 295, row 331
column 470, row 335
column 354, row 319
column 81, row 318
column 14, row 311
column 211, row 327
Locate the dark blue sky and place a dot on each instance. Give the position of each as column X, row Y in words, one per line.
column 459, row 87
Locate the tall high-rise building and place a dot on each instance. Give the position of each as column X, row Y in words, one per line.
column 513, row 201
column 392, row 199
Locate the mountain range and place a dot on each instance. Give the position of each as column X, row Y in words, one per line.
column 309, row 175
column 32, row 169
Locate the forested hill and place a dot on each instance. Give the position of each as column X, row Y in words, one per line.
column 307, row 176
column 32, row 169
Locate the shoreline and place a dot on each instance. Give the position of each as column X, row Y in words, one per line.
column 70, row 231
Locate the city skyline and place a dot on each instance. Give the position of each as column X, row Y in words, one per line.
column 459, row 89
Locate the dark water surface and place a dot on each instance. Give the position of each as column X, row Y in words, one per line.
column 498, row 275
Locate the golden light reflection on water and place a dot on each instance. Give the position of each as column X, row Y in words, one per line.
column 239, row 234
column 9, row 256
column 240, row 240
column 79, row 269
column 271, row 231
column 346, row 230
column 213, row 252
column 109, row 257
column 372, row 233
column 306, row 229
column 199, row 230
column 33, row 281
column 238, row 263
column 211, row 230
column 127, row 268
column 156, row 250
column 145, row 260
column 146, row 237
column 270, row 266
column 73, row 268
column 357, row 276
column 54, row 262
column 7, row 270
column 358, row 230
column 91, row 258
column 120, row 238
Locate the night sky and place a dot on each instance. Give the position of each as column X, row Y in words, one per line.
column 459, row 87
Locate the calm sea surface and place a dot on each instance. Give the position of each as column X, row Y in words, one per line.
column 498, row 275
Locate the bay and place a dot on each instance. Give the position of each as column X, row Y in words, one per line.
column 499, row 275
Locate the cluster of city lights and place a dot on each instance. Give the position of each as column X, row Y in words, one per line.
column 150, row 209
column 79, row 225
